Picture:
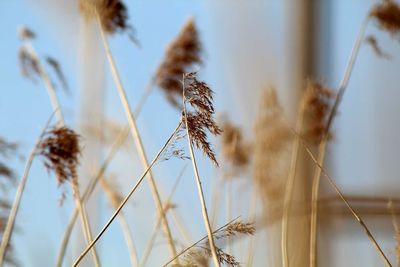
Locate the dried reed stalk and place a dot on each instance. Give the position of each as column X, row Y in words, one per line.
column 136, row 135
column 325, row 137
column 167, row 206
column 115, row 198
column 116, row 145
column 60, row 123
column 9, row 227
column 156, row 158
column 199, row 95
column 289, row 189
column 353, row 212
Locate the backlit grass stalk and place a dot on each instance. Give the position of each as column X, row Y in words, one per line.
column 156, row 158
column 137, row 138
column 289, row 190
column 198, row 183
column 60, row 122
column 150, row 244
column 353, row 212
column 9, row 227
column 322, row 146
column 116, row 145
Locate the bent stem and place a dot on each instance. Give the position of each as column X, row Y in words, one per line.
column 138, row 140
column 353, row 212
column 117, row 211
column 60, row 122
column 116, row 145
column 9, row 227
column 322, row 146
column 289, row 190
column 199, row 187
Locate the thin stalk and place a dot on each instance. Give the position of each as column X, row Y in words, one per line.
column 197, row 242
column 252, row 241
column 150, row 244
column 60, row 122
column 79, row 259
column 136, row 136
column 8, row 230
column 110, row 194
column 116, row 145
column 353, row 212
column 199, row 186
column 322, row 146
column 289, row 191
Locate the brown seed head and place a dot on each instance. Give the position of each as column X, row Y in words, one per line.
column 387, row 14
column 29, row 65
column 317, row 102
column 201, row 120
column 113, row 15
column 60, row 149
column 180, row 57
column 234, row 148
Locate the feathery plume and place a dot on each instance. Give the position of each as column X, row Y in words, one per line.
column 201, row 120
column 113, row 15
column 317, row 102
column 29, row 65
column 387, row 14
column 234, row 149
column 60, row 149
column 181, row 55
column 373, row 42
column 55, row 65
column 273, row 150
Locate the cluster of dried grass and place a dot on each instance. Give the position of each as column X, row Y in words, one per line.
column 273, row 157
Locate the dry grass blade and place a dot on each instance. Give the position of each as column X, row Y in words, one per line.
column 353, row 212
column 199, row 96
column 60, row 74
column 326, row 136
column 10, row 224
column 156, row 158
column 136, row 135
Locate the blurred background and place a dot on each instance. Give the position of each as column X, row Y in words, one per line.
column 249, row 46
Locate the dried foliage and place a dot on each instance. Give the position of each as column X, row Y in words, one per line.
column 387, row 14
column 29, row 65
column 174, row 150
column 273, row 149
column 317, row 102
column 60, row 149
column 201, row 253
column 373, row 42
column 201, row 120
column 6, row 149
column 180, row 57
column 55, row 65
column 234, row 149
column 25, row 33
column 113, row 15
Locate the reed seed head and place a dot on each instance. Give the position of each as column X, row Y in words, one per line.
column 201, row 119
column 60, row 150
column 234, row 148
column 29, row 65
column 180, row 57
column 113, row 15
column 317, row 102
column 387, row 14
